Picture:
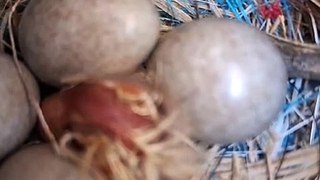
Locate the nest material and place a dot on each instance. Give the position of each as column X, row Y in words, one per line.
column 300, row 164
column 170, row 159
column 302, row 60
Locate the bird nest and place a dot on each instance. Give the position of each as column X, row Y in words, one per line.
column 289, row 149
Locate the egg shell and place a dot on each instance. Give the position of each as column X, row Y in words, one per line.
column 39, row 162
column 17, row 116
column 69, row 41
column 226, row 79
